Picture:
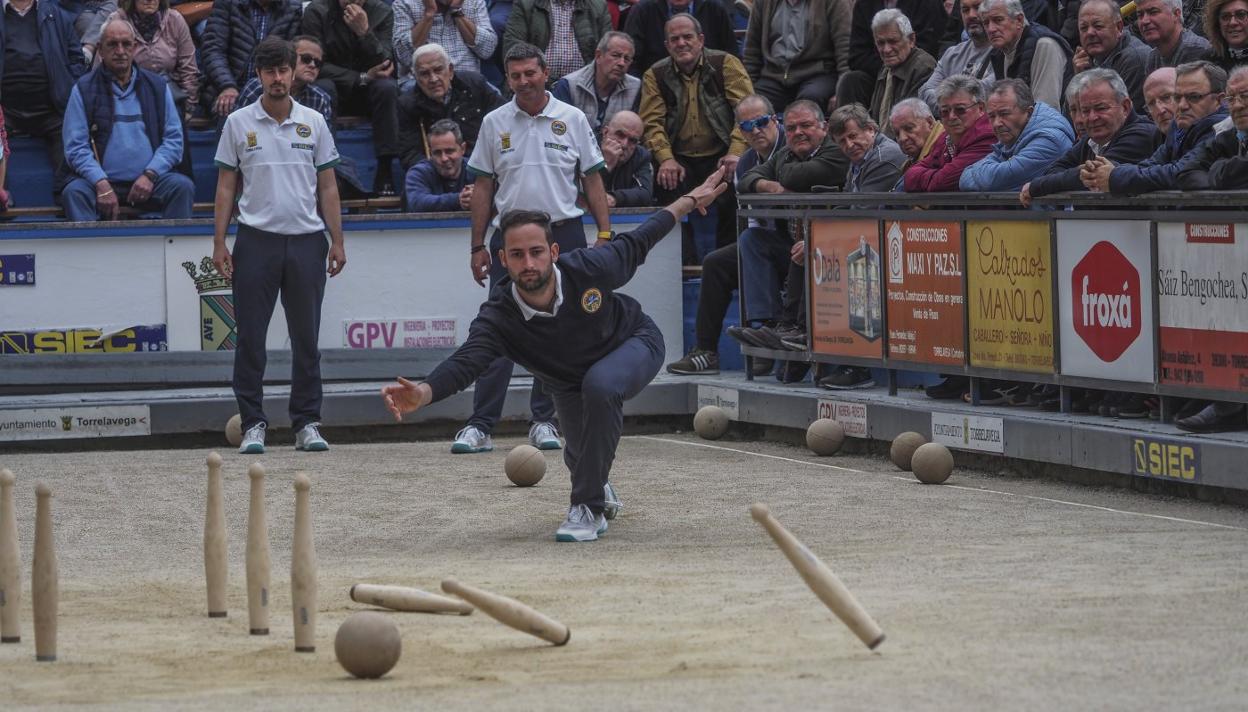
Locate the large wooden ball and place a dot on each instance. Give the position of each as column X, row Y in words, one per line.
column 368, row 644
column 902, row 450
column 525, row 466
column 711, row 422
column 234, row 430
column 825, row 436
column 932, row 463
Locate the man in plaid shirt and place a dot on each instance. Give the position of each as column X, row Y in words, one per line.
column 461, row 27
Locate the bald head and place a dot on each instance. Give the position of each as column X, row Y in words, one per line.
column 624, row 128
column 1159, row 97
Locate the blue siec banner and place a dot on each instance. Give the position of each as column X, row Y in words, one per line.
column 17, row 270
column 135, row 339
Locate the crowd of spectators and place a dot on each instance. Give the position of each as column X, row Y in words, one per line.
column 1020, row 96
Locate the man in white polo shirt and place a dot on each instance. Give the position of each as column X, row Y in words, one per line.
column 529, row 154
column 284, row 154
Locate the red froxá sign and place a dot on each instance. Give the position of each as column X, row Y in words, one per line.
column 1105, row 295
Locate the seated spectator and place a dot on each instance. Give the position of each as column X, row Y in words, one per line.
column 875, row 160
column 1031, row 136
column 1159, row 98
column 5, row 202
column 234, row 29
column 568, row 31
column 1161, row 27
column 906, row 67
column 125, row 115
column 440, row 183
column 967, row 138
column 915, row 129
column 1222, row 163
column 165, row 48
column 359, row 69
column 796, row 49
column 89, row 17
column 690, row 145
column 461, row 27
column 646, row 20
column 969, row 57
column 1113, row 130
column 1199, row 87
column 1037, row 55
column 309, row 57
column 604, row 86
column 41, row 61
column 629, row 178
column 441, row 92
column 761, row 128
column 1103, row 43
column 1226, row 27
column 857, row 85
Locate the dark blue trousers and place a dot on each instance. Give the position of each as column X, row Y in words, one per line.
column 491, row 390
column 592, row 419
column 267, row 264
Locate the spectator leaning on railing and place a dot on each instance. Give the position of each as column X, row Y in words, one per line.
column 967, row 137
column 915, row 129
column 1222, row 162
column 123, row 136
column 875, row 160
column 440, row 183
column 1031, row 136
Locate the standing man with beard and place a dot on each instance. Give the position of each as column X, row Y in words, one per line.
column 286, row 156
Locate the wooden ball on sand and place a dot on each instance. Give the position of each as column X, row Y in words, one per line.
column 932, row 463
column 825, row 436
column 368, row 644
column 525, row 466
column 710, row 422
column 903, row 448
column 234, row 430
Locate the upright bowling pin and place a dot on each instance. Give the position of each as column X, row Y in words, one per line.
column 10, row 563
column 45, row 590
column 257, row 555
column 303, row 570
column 216, row 565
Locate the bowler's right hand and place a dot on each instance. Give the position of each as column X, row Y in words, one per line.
column 405, row 397
column 480, row 264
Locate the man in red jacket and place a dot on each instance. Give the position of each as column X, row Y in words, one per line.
column 967, row 137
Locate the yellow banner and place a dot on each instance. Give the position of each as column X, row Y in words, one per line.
column 1010, row 295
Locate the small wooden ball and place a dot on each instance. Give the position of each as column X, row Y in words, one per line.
column 932, row 463
column 825, row 436
column 234, row 430
column 368, row 644
column 902, row 450
column 525, row 466
column 710, row 422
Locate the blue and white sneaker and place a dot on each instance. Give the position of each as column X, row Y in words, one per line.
column 581, row 525
column 309, row 439
column 611, row 504
column 253, row 440
column 543, row 436
column 471, row 440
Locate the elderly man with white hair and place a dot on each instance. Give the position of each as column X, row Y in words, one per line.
column 441, row 92
column 905, row 66
column 1027, row 51
column 915, row 129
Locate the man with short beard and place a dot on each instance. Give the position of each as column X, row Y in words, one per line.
column 969, row 57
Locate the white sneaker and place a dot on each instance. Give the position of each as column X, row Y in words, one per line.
column 543, row 436
column 253, row 440
column 612, row 503
column 309, row 439
column 581, row 525
column 470, row 440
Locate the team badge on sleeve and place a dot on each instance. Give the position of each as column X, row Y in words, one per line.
column 558, row 128
column 591, row 300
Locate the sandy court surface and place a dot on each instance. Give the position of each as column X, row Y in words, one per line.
column 995, row 593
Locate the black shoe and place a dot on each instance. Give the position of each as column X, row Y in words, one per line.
column 762, row 366
column 697, row 363
column 792, row 371
column 1133, row 407
column 794, row 342
column 951, row 388
column 1190, row 408
column 770, row 336
column 745, row 335
column 847, row 378
column 1217, row 417
column 989, row 394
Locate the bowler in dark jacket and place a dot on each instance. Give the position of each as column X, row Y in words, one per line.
column 230, row 39
column 629, row 178
column 560, row 316
column 1112, row 130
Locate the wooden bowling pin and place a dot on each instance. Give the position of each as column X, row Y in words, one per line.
column 511, row 612
column 10, row 563
column 257, row 555
column 216, row 563
column 303, row 570
column 401, row 598
column 45, row 589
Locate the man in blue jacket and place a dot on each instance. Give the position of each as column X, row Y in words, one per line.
column 40, row 59
column 123, row 137
column 439, row 184
column 1031, row 136
column 560, row 316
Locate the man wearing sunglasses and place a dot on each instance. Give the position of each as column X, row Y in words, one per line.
column 629, row 178
column 303, row 89
column 968, row 137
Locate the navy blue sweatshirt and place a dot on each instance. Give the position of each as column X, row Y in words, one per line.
column 592, row 321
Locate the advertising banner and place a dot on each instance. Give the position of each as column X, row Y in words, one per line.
column 1202, row 282
column 851, row 416
column 846, row 309
column 969, row 432
column 1105, row 299
column 924, row 287
column 17, row 270
column 85, row 422
column 1010, row 295
column 134, row 339
column 414, row 333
